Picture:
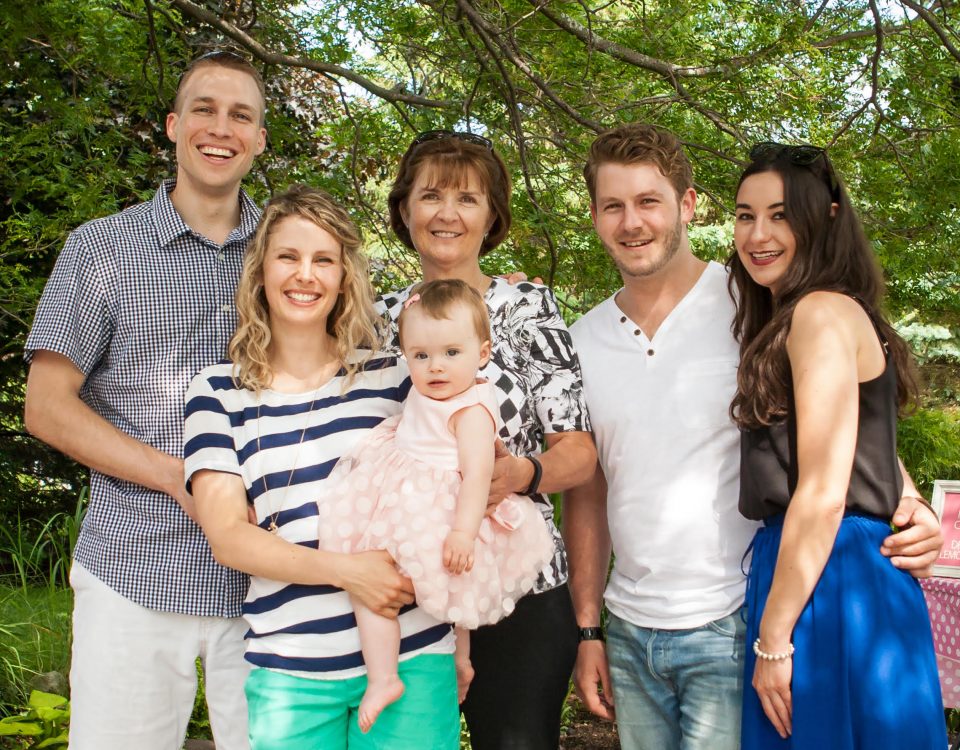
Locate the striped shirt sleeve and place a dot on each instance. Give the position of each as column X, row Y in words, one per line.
column 207, row 434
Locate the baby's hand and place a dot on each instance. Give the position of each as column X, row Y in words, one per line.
column 458, row 552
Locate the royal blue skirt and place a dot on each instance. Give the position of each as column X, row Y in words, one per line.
column 864, row 670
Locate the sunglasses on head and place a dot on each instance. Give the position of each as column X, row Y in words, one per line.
column 803, row 155
column 220, row 54
column 440, row 135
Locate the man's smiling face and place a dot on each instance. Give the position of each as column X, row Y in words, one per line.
column 218, row 128
column 639, row 217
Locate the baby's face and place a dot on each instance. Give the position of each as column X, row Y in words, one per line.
column 443, row 354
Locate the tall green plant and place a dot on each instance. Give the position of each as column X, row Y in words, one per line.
column 39, row 553
column 929, row 444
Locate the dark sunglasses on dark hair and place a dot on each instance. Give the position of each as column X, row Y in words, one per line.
column 802, row 156
column 440, row 135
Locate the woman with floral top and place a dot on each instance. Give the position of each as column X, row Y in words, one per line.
column 451, row 203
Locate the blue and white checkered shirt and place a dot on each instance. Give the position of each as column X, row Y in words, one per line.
column 140, row 303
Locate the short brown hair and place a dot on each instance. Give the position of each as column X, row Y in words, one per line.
column 223, row 59
column 436, row 298
column 451, row 158
column 636, row 143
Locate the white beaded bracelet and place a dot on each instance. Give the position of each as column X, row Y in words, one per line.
column 771, row 657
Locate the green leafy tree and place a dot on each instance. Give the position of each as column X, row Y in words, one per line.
column 86, row 86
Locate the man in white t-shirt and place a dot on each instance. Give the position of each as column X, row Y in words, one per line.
column 659, row 369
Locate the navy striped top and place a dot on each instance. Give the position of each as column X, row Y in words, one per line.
column 304, row 630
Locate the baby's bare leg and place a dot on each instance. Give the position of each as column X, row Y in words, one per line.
column 380, row 644
column 462, row 661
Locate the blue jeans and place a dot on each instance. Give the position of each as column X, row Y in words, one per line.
column 677, row 689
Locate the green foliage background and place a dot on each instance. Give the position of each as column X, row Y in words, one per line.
column 85, row 86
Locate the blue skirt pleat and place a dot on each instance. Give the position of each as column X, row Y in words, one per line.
column 864, row 671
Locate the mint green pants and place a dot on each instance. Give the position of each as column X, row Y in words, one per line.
column 298, row 712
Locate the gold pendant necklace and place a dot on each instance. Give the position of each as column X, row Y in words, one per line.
column 273, row 528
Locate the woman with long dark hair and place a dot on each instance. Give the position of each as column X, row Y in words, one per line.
column 839, row 652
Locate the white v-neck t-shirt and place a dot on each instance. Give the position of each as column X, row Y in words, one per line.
column 671, row 456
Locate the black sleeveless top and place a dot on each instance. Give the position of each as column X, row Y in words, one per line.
column 768, row 456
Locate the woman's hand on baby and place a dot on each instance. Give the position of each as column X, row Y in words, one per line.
column 458, row 552
column 373, row 578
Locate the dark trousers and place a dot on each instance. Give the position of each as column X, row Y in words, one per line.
column 523, row 666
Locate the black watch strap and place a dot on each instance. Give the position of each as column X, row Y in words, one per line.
column 591, row 634
column 537, row 476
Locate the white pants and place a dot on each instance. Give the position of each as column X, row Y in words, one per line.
column 133, row 676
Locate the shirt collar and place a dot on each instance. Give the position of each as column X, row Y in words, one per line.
column 249, row 219
column 170, row 225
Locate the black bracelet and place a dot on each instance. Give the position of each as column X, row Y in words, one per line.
column 591, row 634
column 537, row 476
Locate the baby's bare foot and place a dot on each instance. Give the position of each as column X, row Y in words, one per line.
column 377, row 697
column 464, row 678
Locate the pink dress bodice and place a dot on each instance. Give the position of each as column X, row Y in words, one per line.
column 398, row 489
column 424, row 432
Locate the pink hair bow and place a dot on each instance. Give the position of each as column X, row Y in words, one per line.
column 410, row 300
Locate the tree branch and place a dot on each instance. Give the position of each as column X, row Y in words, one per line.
column 513, row 112
column 631, row 56
column 496, row 36
column 669, row 72
column 932, row 22
column 262, row 53
column 874, row 78
column 833, row 41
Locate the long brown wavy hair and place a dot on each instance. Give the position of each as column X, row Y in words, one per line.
column 352, row 321
column 832, row 254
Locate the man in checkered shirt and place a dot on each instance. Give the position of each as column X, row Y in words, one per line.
column 138, row 303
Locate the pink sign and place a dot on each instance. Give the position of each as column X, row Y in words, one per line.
column 946, row 501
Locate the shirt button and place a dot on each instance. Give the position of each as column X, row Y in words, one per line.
column 636, row 332
column 650, row 352
column 623, row 319
column 220, row 256
column 226, row 307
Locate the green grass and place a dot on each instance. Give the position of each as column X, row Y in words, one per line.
column 34, row 638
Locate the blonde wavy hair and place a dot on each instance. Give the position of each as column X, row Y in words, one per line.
column 352, row 321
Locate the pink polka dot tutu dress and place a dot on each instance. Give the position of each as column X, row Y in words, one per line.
column 397, row 491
